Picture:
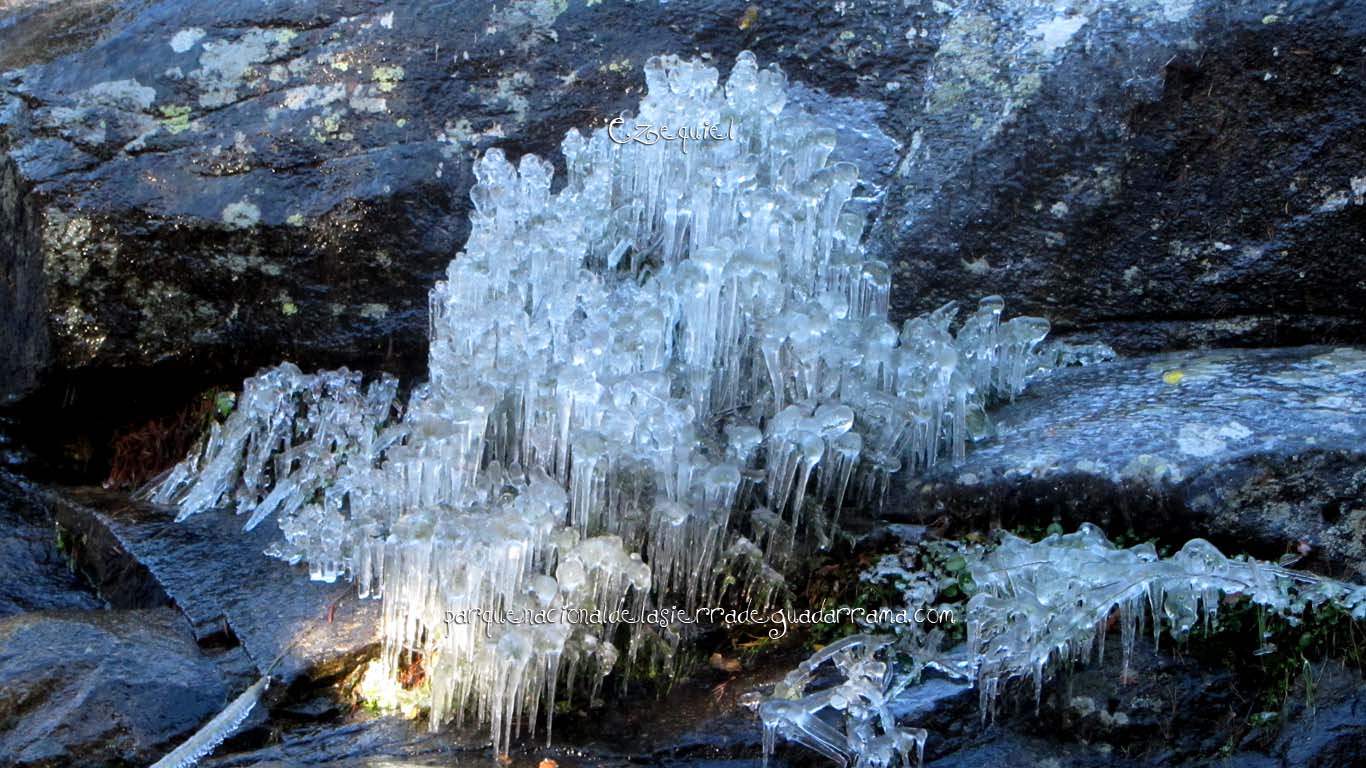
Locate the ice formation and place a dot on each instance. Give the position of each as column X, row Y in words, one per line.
column 1038, row 606
column 676, row 368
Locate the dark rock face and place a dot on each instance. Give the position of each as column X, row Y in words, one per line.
column 1174, row 710
column 95, row 688
column 355, row 745
column 231, row 184
column 1173, row 174
column 1336, row 714
column 23, row 295
column 1257, row 450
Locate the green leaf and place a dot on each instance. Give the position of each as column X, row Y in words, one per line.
column 224, row 402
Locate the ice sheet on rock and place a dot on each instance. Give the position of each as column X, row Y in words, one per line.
column 654, row 384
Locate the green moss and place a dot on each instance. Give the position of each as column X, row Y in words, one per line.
column 930, row 575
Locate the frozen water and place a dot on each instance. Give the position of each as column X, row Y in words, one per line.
column 651, row 386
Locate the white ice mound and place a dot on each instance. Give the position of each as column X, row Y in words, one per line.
column 645, row 388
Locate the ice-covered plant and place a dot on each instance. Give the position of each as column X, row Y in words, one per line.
column 851, row 720
column 1049, row 603
column 652, row 386
column 1038, row 606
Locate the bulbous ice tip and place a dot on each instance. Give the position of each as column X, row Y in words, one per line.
column 571, row 576
column 689, row 79
column 515, row 646
column 744, row 440
column 771, row 92
column 543, row 590
column 1203, row 553
column 493, row 167
column 657, row 75
column 744, row 81
column 638, row 574
column 671, row 513
column 535, row 172
column 813, row 448
column 573, row 144
column 993, row 304
column 1027, row 330
column 844, row 174
column 834, row 419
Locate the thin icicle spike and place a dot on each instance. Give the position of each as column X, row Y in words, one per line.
column 214, row 732
column 649, row 387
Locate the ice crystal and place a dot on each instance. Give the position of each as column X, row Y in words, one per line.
column 651, row 386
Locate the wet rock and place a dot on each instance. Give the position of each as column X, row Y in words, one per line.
column 1025, row 749
column 91, row 551
column 1260, row 451
column 37, row 31
column 1167, row 708
column 1174, row 710
column 100, row 688
column 36, row 575
column 365, row 742
column 232, row 184
column 690, row 727
column 217, row 575
column 1334, row 712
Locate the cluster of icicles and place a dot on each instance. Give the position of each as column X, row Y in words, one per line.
column 646, row 388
